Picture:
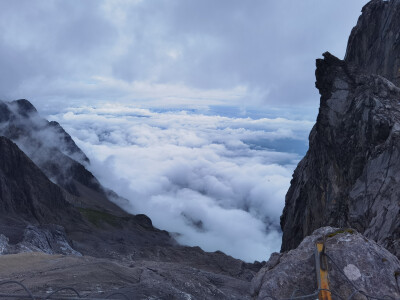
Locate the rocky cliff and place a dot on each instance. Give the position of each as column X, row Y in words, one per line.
column 27, row 196
column 350, row 174
column 374, row 43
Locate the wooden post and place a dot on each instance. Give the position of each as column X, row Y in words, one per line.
column 321, row 266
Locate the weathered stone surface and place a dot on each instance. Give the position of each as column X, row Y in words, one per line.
column 50, row 239
column 368, row 266
column 100, row 277
column 26, row 193
column 3, row 244
column 351, row 173
column 374, row 43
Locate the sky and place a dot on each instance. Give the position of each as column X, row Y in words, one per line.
column 169, row 53
column 196, row 111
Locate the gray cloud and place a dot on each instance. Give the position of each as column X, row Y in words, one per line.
column 56, row 51
column 43, row 41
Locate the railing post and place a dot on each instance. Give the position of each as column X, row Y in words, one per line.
column 321, row 266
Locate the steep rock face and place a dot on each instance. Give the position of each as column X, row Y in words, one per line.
column 52, row 149
column 27, row 199
column 34, row 214
column 350, row 176
column 368, row 267
column 26, row 193
column 374, row 43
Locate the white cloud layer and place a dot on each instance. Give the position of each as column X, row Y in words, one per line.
column 207, row 178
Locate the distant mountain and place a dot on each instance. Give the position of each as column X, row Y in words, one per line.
column 53, row 150
column 73, row 198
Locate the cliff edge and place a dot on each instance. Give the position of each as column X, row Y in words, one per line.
column 351, row 173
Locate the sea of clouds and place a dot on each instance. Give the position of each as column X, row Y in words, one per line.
column 218, row 182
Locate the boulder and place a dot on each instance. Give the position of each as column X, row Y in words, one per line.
column 356, row 265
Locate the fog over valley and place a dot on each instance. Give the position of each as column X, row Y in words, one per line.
column 217, row 182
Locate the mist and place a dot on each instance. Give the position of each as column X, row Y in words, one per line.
column 209, row 180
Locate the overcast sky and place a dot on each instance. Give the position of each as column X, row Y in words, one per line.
column 169, row 53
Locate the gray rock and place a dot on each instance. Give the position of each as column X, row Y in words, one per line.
column 3, row 244
column 53, row 150
column 99, row 278
column 368, row 266
column 27, row 195
column 50, row 239
column 350, row 176
column 374, row 43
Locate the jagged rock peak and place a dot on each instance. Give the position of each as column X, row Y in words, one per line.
column 24, row 107
column 328, row 69
column 374, row 43
column 351, row 173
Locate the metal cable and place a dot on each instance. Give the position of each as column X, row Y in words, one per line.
column 29, row 294
column 267, row 296
column 20, row 284
column 63, row 289
column 294, row 293
column 119, row 294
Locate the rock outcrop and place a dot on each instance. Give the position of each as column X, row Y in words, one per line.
column 350, row 174
column 369, row 269
column 374, row 43
column 50, row 239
